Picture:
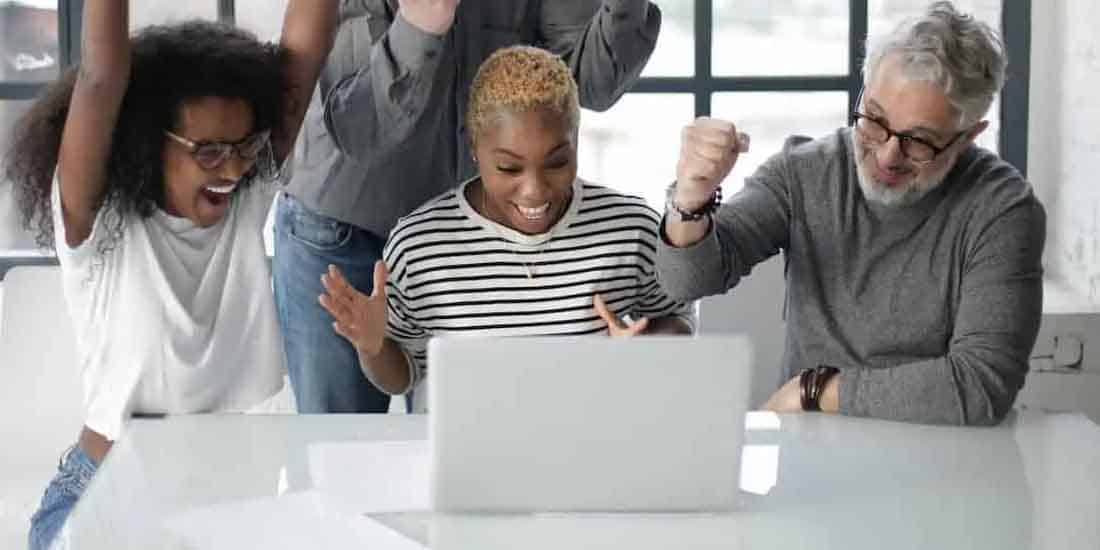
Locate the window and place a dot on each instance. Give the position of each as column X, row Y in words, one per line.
column 775, row 67
column 30, row 55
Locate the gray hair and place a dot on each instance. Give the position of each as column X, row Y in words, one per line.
column 963, row 55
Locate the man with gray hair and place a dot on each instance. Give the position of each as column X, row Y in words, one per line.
column 913, row 274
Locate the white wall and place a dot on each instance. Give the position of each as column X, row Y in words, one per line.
column 1064, row 147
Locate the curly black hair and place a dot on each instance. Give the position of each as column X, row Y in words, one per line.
column 170, row 64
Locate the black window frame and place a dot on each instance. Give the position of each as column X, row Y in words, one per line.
column 1013, row 115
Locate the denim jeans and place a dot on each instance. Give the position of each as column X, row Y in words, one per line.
column 323, row 366
column 74, row 472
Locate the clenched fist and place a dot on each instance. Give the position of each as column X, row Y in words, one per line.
column 709, row 149
column 431, row 16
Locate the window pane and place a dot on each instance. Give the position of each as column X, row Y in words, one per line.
column 28, row 41
column 673, row 56
column 770, row 117
column 884, row 15
column 675, row 51
column 154, row 12
column 11, row 234
column 634, row 146
column 767, row 38
column 263, row 17
column 988, row 139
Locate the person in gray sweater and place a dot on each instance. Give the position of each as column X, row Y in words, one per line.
column 385, row 133
column 913, row 256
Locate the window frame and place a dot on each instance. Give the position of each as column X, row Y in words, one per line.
column 1015, row 17
column 1013, row 115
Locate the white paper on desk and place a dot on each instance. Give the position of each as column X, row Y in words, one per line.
column 377, row 476
column 310, row 519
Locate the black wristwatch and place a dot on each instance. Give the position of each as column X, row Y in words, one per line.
column 673, row 209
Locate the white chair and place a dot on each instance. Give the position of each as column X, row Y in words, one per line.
column 755, row 308
column 1065, row 366
column 41, row 398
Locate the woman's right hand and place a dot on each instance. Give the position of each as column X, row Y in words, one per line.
column 358, row 317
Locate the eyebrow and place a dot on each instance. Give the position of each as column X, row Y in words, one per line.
column 559, row 147
column 934, row 134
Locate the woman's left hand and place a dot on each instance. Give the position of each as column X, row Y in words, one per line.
column 617, row 327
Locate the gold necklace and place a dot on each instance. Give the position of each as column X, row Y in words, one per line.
column 527, row 267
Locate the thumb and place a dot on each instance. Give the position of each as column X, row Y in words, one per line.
column 380, row 276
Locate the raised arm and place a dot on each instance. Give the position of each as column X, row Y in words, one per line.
column 101, row 83
column 375, row 109
column 309, row 27
column 606, row 44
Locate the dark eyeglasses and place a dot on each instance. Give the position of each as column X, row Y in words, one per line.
column 212, row 154
column 914, row 148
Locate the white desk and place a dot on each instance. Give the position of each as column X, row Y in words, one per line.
column 1031, row 483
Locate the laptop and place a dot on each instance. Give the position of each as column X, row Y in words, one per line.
column 587, row 424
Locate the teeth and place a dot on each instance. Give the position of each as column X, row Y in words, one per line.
column 222, row 189
column 533, row 213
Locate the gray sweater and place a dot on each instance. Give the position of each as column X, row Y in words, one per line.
column 930, row 311
column 389, row 133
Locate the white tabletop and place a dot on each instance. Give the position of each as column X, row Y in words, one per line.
column 259, row 481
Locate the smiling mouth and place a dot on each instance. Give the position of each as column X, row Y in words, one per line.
column 221, row 189
column 533, row 214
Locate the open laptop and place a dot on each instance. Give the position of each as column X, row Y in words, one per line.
column 587, row 424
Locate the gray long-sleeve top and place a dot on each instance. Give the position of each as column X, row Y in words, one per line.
column 930, row 311
column 385, row 131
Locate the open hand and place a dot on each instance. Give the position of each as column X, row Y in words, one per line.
column 358, row 317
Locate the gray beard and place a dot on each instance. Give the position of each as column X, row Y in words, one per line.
column 878, row 192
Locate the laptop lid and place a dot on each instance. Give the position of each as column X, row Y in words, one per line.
column 587, row 423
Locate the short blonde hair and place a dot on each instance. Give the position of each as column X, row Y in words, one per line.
column 519, row 79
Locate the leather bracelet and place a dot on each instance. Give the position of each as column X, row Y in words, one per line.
column 692, row 215
column 805, row 383
column 812, row 384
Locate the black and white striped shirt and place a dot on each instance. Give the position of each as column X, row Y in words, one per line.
column 454, row 272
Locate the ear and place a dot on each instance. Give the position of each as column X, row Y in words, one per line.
column 472, row 143
column 976, row 131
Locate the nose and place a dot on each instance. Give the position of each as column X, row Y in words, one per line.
column 234, row 167
column 535, row 187
column 889, row 153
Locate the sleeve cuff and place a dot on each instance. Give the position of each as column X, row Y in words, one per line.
column 848, row 391
column 412, row 48
column 702, row 252
column 630, row 13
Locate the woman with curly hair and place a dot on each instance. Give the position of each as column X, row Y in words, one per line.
column 149, row 169
column 526, row 248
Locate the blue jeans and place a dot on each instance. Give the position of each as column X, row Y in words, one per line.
column 323, row 366
column 74, row 472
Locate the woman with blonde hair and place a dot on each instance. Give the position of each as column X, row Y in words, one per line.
column 526, row 248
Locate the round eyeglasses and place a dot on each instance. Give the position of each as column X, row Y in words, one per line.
column 210, row 155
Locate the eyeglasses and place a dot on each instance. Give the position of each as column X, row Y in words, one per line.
column 914, row 148
column 210, row 155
